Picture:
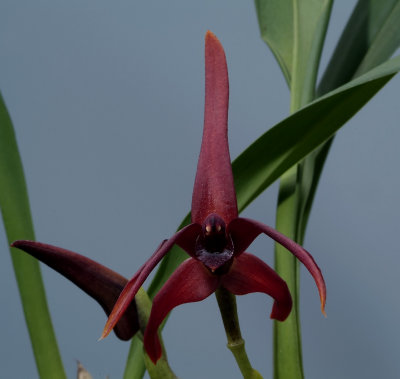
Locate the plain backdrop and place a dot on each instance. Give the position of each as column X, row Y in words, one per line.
column 107, row 103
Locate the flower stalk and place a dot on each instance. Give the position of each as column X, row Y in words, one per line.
column 160, row 370
column 236, row 344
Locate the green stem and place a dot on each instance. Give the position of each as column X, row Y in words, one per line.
column 228, row 309
column 161, row 370
column 135, row 366
column 288, row 362
column 288, row 356
column 287, row 336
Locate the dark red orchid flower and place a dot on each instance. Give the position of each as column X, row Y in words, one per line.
column 217, row 238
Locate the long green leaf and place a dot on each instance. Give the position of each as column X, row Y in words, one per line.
column 386, row 40
column 367, row 27
column 296, row 44
column 15, row 211
column 289, row 142
column 310, row 23
column 375, row 24
column 275, row 19
column 371, row 36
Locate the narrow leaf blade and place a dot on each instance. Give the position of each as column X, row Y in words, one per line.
column 371, row 36
column 310, row 24
column 365, row 24
column 275, row 19
column 15, row 211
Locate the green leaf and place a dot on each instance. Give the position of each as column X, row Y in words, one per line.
column 293, row 138
column 372, row 24
column 311, row 19
column 375, row 23
column 386, row 39
column 289, row 142
column 16, row 214
column 294, row 31
column 370, row 37
column 275, row 19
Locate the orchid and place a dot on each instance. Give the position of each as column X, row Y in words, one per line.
column 216, row 240
column 322, row 95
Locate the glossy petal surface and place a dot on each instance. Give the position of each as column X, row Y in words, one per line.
column 214, row 190
column 190, row 282
column 185, row 238
column 98, row 281
column 250, row 274
column 243, row 232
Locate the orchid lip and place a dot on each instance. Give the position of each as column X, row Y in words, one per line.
column 214, row 260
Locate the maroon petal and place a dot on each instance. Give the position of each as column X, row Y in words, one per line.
column 185, row 238
column 98, row 281
column 243, row 232
column 214, row 190
column 190, row 282
column 250, row 274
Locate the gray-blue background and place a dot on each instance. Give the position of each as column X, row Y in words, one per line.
column 107, row 103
